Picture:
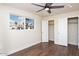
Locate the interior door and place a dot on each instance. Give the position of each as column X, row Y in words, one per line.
column 73, row 32
column 51, row 30
column 44, row 30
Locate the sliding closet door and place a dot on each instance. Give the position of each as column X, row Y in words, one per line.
column 73, row 31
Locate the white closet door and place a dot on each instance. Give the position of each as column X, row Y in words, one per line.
column 73, row 33
column 44, row 30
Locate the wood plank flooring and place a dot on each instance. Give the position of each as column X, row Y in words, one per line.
column 48, row 49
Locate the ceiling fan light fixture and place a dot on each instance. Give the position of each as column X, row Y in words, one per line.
column 46, row 9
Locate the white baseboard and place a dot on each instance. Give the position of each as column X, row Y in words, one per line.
column 13, row 51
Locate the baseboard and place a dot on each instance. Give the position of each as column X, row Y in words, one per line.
column 14, row 51
column 58, row 43
column 73, row 44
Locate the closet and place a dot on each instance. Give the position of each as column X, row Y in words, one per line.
column 51, row 30
column 73, row 31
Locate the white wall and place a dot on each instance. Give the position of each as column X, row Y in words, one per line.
column 15, row 40
column 3, row 34
column 60, row 26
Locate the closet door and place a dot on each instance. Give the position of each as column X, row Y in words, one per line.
column 44, row 30
column 73, row 32
column 51, row 30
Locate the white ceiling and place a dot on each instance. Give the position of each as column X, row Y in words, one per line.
column 32, row 8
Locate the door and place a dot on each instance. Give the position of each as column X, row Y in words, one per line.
column 51, row 30
column 73, row 31
column 44, row 30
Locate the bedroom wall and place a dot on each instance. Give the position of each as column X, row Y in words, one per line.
column 15, row 40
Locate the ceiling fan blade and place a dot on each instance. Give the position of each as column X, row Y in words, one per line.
column 53, row 7
column 49, row 4
column 39, row 10
column 37, row 5
column 49, row 11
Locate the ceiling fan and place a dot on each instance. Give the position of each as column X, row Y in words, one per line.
column 48, row 7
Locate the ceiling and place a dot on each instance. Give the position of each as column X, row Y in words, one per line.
column 69, row 7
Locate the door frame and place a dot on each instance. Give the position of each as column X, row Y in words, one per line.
column 77, row 29
column 48, row 30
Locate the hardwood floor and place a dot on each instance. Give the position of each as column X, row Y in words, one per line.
column 48, row 49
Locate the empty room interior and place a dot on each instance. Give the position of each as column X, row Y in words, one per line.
column 39, row 29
